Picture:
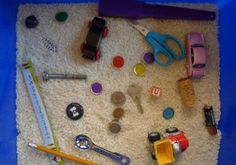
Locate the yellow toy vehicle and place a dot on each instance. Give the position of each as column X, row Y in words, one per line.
column 164, row 148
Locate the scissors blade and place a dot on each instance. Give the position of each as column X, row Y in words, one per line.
column 141, row 29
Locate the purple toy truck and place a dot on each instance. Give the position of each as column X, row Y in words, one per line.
column 196, row 55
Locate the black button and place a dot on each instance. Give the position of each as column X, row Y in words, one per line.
column 74, row 111
column 31, row 21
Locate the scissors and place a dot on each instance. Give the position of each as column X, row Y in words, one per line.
column 159, row 44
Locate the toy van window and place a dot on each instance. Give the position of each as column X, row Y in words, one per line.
column 192, row 57
column 199, row 65
column 197, row 46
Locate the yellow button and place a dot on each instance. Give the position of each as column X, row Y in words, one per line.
column 139, row 69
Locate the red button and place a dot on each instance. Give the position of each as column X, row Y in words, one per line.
column 118, row 61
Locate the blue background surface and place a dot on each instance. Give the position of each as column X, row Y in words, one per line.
column 227, row 35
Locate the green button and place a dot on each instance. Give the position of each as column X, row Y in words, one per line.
column 61, row 16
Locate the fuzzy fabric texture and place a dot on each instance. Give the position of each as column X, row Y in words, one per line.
column 125, row 41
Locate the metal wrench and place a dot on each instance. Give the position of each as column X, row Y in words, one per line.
column 84, row 143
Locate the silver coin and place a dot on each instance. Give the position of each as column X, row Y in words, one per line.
column 114, row 126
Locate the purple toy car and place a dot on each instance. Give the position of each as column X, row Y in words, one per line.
column 196, row 55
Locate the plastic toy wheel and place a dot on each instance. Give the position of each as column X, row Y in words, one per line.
column 172, row 130
column 98, row 54
column 105, row 32
column 154, row 157
column 154, row 136
column 89, row 24
column 82, row 47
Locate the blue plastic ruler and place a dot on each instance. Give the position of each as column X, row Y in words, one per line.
column 31, row 82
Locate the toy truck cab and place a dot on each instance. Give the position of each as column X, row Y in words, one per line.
column 164, row 148
column 97, row 30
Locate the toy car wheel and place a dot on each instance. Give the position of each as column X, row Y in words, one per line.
column 89, row 24
column 105, row 32
column 172, row 130
column 154, row 136
column 98, row 54
column 82, row 47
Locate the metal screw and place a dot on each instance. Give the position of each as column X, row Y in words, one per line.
column 46, row 76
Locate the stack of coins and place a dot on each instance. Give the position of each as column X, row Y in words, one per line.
column 117, row 99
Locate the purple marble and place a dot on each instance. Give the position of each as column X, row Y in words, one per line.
column 148, row 58
column 96, row 88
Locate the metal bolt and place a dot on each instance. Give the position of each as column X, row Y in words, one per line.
column 46, row 76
